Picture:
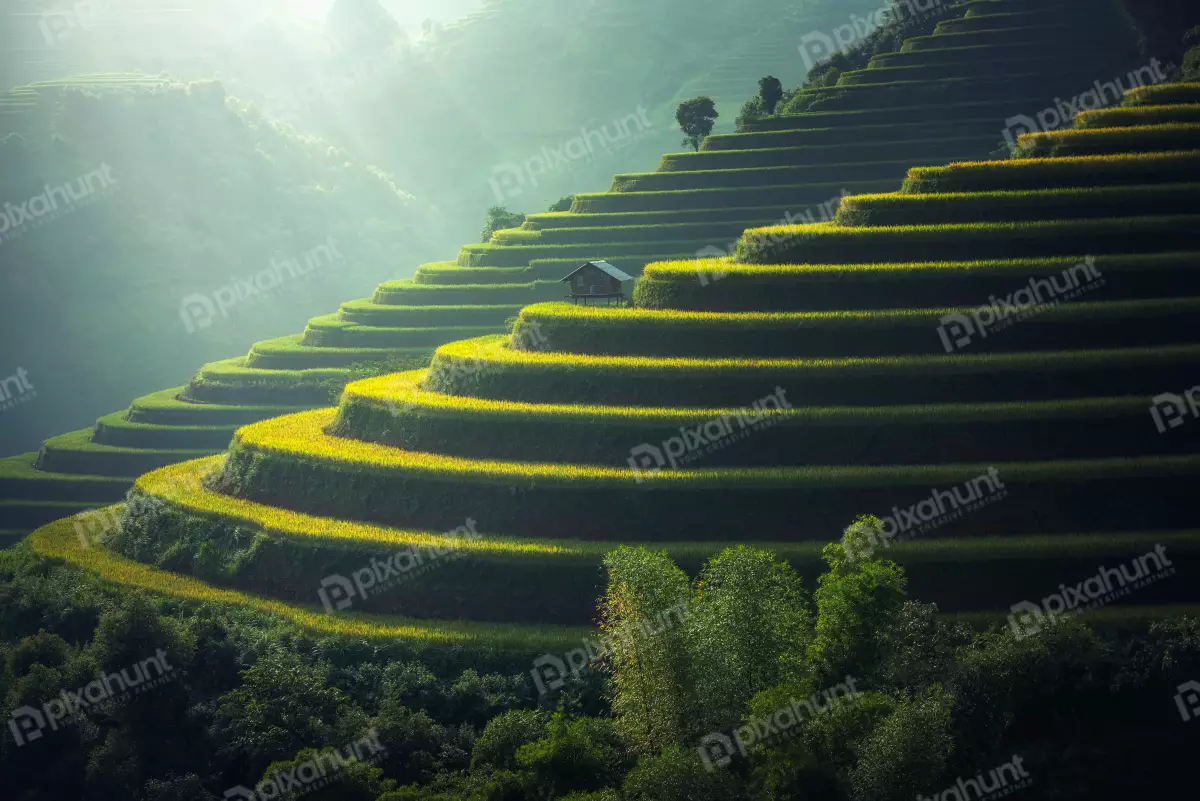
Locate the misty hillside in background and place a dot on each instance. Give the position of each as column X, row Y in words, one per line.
column 495, row 105
column 200, row 198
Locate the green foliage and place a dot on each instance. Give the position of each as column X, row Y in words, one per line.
column 580, row 754
column 562, row 204
column 283, row 704
column 696, row 118
column 496, row 748
column 907, row 752
column 770, row 91
column 348, row 778
column 43, row 648
column 750, row 624
column 1191, row 59
column 677, row 774
column 499, row 218
column 858, row 597
column 651, row 664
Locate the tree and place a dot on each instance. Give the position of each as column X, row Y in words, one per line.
column 857, row 598
column 650, row 661
column 770, row 91
column 575, row 754
column 1191, row 60
column 696, row 118
column 499, row 218
column 749, row 611
column 496, row 748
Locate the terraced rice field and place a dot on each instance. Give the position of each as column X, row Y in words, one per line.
column 768, row 397
column 1036, row 444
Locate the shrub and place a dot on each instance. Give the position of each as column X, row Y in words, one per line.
column 696, row 118
column 499, row 218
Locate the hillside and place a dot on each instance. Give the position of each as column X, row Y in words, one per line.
column 218, row 226
column 444, row 109
column 1038, row 452
column 537, row 439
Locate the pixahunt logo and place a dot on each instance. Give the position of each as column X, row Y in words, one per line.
column 58, row 25
column 999, row 783
column 693, row 444
column 817, row 46
column 1063, row 111
column 1028, row 619
column 29, row 723
column 941, row 507
column 16, row 389
column 55, row 201
column 551, row 671
column 529, row 337
column 315, row 773
column 198, row 311
column 92, row 526
column 717, row 750
column 1187, row 700
column 704, row 256
column 510, row 180
column 1171, row 411
column 338, row 592
column 959, row 330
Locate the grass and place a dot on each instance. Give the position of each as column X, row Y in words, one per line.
column 1166, row 94
column 855, row 134
column 887, row 151
column 832, row 244
column 232, row 383
column 1118, row 54
column 1078, row 321
column 332, row 333
column 998, row 89
column 1137, row 115
column 407, row 293
column 395, row 411
column 1011, row 269
column 290, row 353
column 75, row 452
column 798, row 196
column 543, row 222
column 450, row 274
column 365, row 312
column 59, row 541
column 519, row 255
column 1073, row 171
column 886, row 170
column 308, row 547
column 942, row 70
column 920, row 113
column 730, row 286
column 302, row 438
column 650, row 234
column 116, row 430
column 292, row 461
column 165, row 408
column 485, row 368
column 897, row 208
column 1050, row 34
column 1109, row 141
column 19, row 478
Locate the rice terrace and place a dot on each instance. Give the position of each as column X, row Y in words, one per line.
column 826, row 432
